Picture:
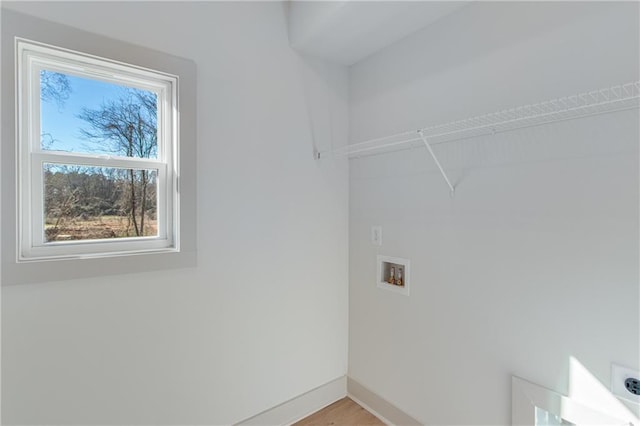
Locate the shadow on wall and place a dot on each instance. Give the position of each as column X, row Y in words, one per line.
column 469, row 38
column 324, row 86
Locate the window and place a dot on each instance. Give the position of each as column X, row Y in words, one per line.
column 97, row 156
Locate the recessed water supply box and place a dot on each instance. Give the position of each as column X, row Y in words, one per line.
column 393, row 274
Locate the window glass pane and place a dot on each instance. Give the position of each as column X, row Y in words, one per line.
column 89, row 116
column 88, row 203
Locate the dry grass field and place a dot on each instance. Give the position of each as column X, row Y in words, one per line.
column 96, row 228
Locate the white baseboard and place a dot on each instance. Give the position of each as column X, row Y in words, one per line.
column 301, row 406
column 378, row 406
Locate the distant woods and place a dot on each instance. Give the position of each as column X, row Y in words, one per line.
column 95, row 197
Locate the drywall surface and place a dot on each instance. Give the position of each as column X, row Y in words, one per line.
column 262, row 318
column 535, row 258
column 345, row 32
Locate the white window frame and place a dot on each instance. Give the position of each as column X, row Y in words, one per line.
column 31, row 58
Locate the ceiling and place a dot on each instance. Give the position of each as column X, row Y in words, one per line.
column 346, row 32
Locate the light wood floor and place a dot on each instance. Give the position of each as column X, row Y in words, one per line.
column 343, row 412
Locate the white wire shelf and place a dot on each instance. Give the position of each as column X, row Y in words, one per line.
column 615, row 98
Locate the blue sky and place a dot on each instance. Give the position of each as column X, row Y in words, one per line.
column 62, row 122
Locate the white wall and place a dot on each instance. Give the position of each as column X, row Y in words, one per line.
column 535, row 259
column 263, row 317
column 345, row 32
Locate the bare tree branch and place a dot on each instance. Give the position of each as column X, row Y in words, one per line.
column 127, row 126
column 54, row 87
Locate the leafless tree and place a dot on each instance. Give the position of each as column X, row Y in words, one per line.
column 127, row 126
column 54, row 87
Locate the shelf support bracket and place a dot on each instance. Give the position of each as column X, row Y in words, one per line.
column 435, row 159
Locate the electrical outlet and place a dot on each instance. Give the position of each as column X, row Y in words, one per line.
column 625, row 383
column 632, row 385
column 376, row 235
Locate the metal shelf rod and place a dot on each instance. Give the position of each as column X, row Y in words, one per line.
column 435, row 159
column 612, row 99
column 488, row 130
